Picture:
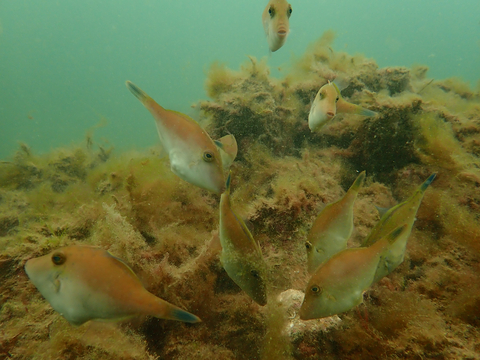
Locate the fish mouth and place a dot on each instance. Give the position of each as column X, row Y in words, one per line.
column 330, row 114
column 282, row 32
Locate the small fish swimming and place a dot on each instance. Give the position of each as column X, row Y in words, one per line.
column 194, row 156
column 339, row 283
column 332, row 228
column 275, row 19
column 328, row 103
column 404, row 212
column 86, row 283
column 241, row 255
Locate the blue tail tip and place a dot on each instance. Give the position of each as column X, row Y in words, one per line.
column 134, row 89
column 431, row 178
column 227, row 184
column 185, row 316
column 428, row 181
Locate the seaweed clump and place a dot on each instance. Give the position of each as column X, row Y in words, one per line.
column 251, row 106
column 132, row 205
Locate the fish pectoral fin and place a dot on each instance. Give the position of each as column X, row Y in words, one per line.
column 383, row 262
column 175, row 162
column 344, row 106
column 56, row 284
column 366, row 112
column 227, row 159
column 178, row 164
column 331, row 297
column 382, row 210
column 340, row 83
column 388, row 264
column 228, row 149
column 228, row 143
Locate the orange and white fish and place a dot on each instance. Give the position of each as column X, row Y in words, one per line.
column 332, row 228
column 328, row 103
column 86, row 283
column 339, row 283
column 194, row 156
column 275, row 19
column 404, row 212
column 241, row 255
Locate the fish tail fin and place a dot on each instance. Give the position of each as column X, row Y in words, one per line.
column 427, row 182
column 227, row 184
column 185, row 316
column 357, row 184
column 137, row 92
column 151, row 105
column 171, row 312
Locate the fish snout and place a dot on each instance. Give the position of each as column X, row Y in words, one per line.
column 305, row 313
column 282, row 31
column 215, row 181
column 30, row 265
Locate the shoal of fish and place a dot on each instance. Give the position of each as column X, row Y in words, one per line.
column 85, row 283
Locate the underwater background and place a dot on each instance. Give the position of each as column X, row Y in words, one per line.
column 81, row 164
column 64, row 63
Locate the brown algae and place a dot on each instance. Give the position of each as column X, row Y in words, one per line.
column 132, row 205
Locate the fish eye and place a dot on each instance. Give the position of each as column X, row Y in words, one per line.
column 337, row 98
column 308, row 245
column 255, row 273
column 208, row 156
column 271, row 11
column 289, row 11
column 316, row 289
column 322, row 95
column 58, row 258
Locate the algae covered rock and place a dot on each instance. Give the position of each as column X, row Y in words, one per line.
column 132, row 205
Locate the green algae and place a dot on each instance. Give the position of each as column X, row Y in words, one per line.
column 132, row 205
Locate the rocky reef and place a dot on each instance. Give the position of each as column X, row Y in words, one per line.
column 133, row 205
